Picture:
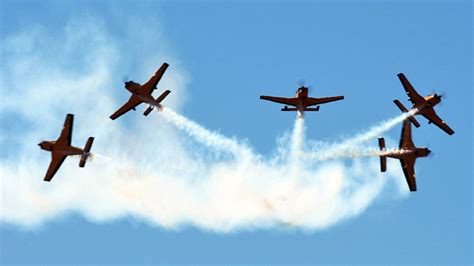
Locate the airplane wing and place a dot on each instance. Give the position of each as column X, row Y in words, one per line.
column 405, row 139
column 150, row 85
column 408, row 167
column 287, row 101
column 314, row 101
column 56, row 161
column 130, row 104
column 411, row 92
column 66, row 133
column 430, row 114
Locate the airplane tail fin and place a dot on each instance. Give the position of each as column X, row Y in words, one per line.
column 311, row 109
column 383, row 158
column 405, row 110
column 158, row 100
column 86, row 153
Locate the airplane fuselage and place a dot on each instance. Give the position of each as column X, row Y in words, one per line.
column 149, row 100
column 60, row 148
column 408, row 154
column 133, row 87
column 301, row 95
column 430, row 101
column 302, row 92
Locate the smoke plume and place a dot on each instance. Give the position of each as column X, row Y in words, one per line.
column 163, row 169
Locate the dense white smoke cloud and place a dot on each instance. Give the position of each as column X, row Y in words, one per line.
column 164, row 168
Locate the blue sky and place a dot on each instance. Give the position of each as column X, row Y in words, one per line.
column 223, row 56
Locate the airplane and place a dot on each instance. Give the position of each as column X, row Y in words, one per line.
column 407, row 154
column 301, row 102
column 142, row 93
column 424, row 105
column 61, row 148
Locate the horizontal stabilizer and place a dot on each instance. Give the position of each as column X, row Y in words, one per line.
column 158, row 101
column 383, row 158
column 311, row 109
column 382, row 144
column 163, row 96
column 86, row 152
column 286, row 109
column 148, row 110
column 405, row 110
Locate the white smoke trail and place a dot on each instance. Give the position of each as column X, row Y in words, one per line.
column 358, row 152
column 296, row 145
column 97, row 157
column 211, row 139
column 297, row 138
column 374, row 131
column 350, row 148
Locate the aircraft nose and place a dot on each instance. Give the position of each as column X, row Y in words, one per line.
column 428, row 151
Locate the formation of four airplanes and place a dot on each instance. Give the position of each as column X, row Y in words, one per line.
column 407, row 153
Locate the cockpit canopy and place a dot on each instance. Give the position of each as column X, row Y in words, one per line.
column 131, row 85
column 46, row 145
column 302, row 89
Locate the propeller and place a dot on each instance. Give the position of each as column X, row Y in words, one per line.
column 300, row 82
column 125, row 78
column 428, row 145
column 443, row 95
column 431, row 155
column 40, row 139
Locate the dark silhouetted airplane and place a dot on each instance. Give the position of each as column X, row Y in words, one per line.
column 142, row 93
column 301, row 102
column 407, row 154
column 61, row 148
column 424, row 105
